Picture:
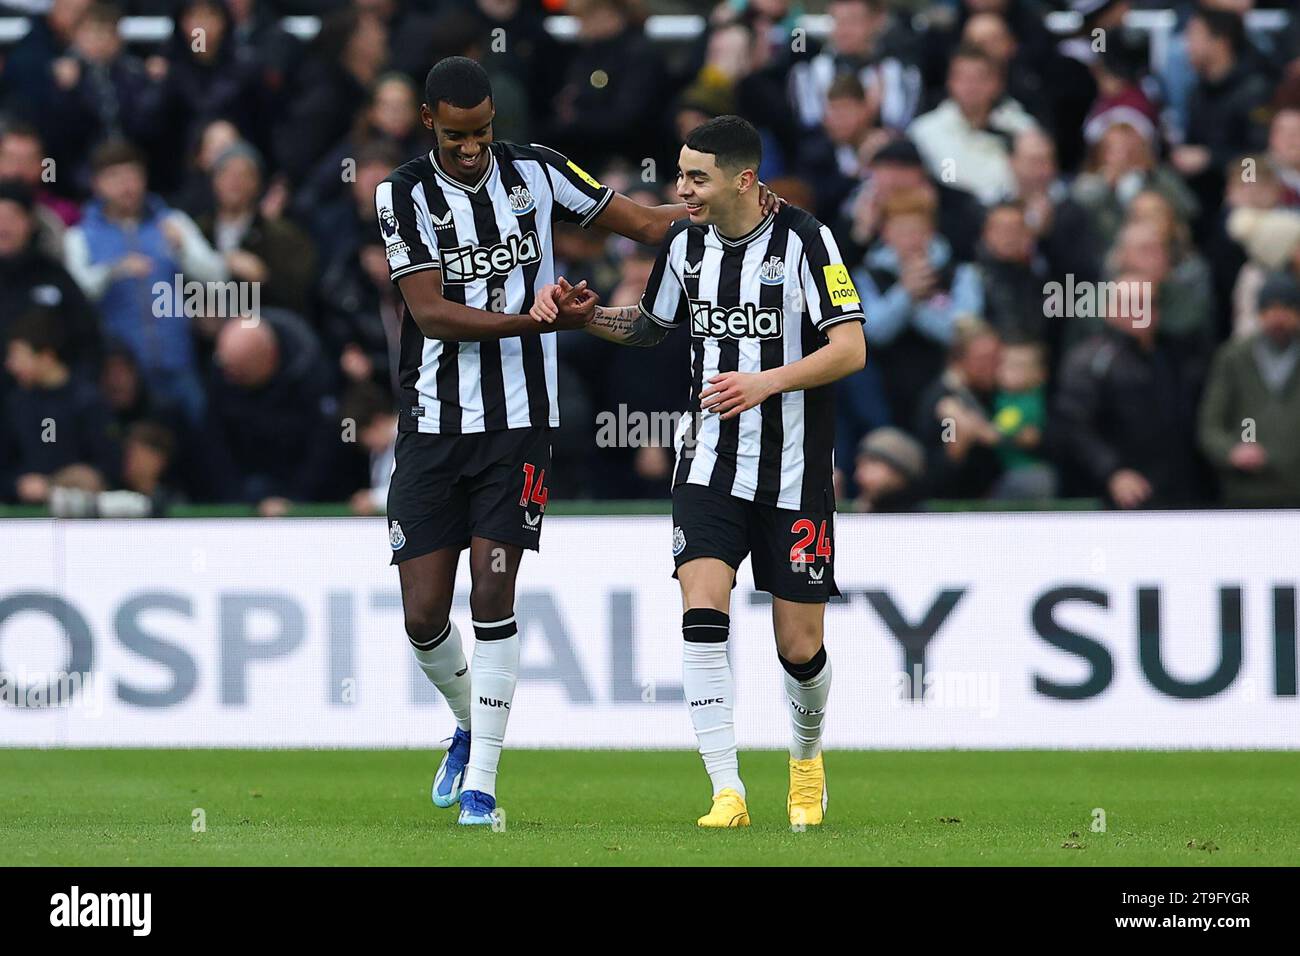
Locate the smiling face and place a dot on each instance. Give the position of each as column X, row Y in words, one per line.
column 463, row 136
column 710, row 192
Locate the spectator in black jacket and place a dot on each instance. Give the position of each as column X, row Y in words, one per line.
column 348, row 55
column 833, row 159
column 1013, row 276
column 204, row 80
column 1126, row 408
column 1224, row 110
column 894, row 168
column 360, row 317
column 27, row 74
column 100, row 92
column 274, row 253
column 1061, row 227
column 29, row 277
column 52, row 418
column 269, row 428
column 953, row 420
column 392, row 116
column 610, row 101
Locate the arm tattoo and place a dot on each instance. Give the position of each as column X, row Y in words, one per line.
column 626, row 325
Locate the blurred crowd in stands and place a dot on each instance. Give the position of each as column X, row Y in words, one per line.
column 1080, row 267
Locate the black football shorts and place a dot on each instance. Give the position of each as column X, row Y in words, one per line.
column 792, row 553
column 446, row 489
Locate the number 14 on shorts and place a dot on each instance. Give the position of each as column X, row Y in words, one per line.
column 535, row 492
column 806, row 532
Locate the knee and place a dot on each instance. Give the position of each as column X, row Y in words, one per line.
column 425, row 620
column 799, row 645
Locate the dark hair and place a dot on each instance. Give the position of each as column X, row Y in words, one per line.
column 335, row 33
column 969, row 51
column 14, row 191
column 22, row 130
column 153, row 435
column 732, row 140
column 457, row 80
column 42, row 329
column 116, row 152
column 364, row 402
column 1223, row 24
column 108, row 14
column 380, row 151
column 846, row 86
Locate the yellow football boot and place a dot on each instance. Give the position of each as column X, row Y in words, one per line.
column 806, row 803
column 729, row 810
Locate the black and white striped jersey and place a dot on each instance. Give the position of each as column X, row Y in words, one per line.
column 492, row 243
column 755, row 303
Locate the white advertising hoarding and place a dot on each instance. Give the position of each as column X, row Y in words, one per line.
column 966, row 630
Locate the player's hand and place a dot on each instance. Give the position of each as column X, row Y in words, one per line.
column 731, row 393
column 769, row 200
column 577, row 306
column 546, row 303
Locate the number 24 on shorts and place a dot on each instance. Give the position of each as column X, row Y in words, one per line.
column 807, row 532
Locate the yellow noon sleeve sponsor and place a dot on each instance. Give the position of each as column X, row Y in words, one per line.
column 839, row 286
column 582, row 174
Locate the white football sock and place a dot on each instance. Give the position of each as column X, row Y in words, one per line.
column 492, row 677
column 807, row 685
column 709, row 690
column 443, row 662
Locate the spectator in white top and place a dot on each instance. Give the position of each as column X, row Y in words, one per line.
column 966, row 140
column 864, row 42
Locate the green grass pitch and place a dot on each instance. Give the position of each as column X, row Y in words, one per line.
column 120, row 807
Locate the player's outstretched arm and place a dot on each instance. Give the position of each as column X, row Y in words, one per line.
column 439, row 318
column 622, row 325
column 731, row 393
column 649, row 224
column 626, row 325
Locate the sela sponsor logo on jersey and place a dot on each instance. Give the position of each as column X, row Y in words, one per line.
column 465, row 264
column 734, row 321
column 395, row 537
column 521, row 201
column 840, row 286
column 772, row 272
